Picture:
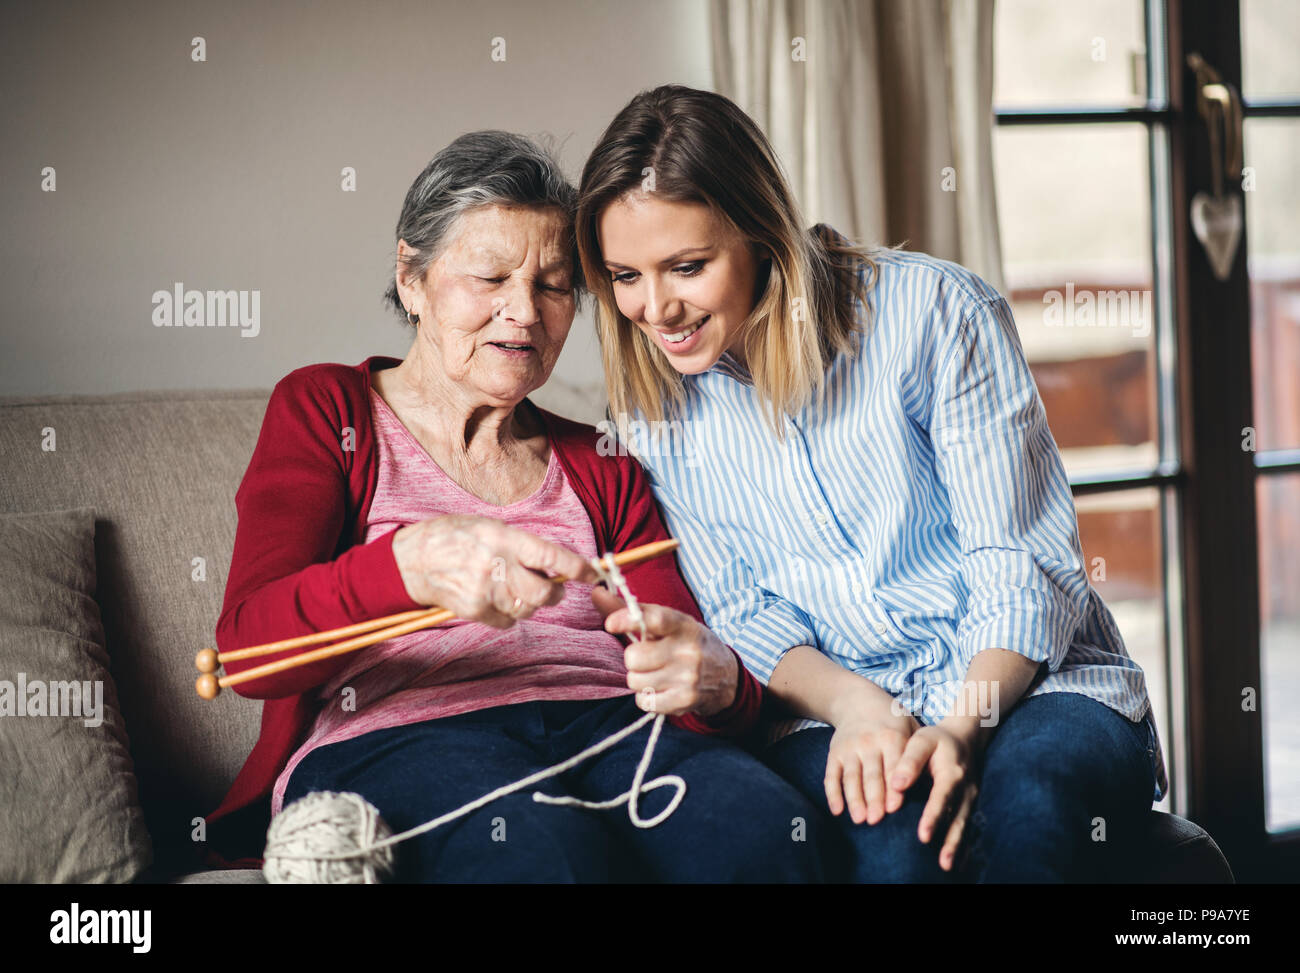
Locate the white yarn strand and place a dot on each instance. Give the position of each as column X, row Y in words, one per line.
column 610, row 573
column 329, row 837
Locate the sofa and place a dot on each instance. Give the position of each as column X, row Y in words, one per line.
column 152, row 475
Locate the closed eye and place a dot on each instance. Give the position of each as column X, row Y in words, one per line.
column 553, row 288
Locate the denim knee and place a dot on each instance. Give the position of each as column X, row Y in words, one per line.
column 513, row 839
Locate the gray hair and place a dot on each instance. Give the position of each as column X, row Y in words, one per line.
column 487, row 168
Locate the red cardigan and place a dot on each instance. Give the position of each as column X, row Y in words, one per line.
column 300, row 565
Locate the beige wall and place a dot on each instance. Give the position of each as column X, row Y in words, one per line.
column 226, row 174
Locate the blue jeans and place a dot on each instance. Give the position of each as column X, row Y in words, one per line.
column 1061, row 772
column 738, row 821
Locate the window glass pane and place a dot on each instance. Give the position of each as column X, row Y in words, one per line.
column 1278, row 498
column 1122, row 547
column 1270, row 38
column 1068, row 53
column 1272, row 146
column 1075, row 218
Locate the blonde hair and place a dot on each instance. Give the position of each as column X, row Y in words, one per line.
column 698, row 146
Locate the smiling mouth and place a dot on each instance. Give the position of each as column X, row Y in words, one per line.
column 511, row 346
column 677, row 337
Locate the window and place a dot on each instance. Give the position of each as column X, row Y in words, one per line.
column 1174, row 396
column 1270, row 36
column 1078, row 198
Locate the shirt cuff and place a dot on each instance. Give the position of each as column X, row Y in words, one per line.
column 1017, row 605
column 1034, row 625
column 764, row 639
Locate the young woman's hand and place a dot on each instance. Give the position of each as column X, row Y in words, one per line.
column 867, row 743
column 949, row 754
column 680, row 667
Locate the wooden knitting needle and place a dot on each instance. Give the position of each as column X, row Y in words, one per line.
column 209, row 659
column 365, row 634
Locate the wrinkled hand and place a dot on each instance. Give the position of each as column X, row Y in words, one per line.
column 948, row 755
column 680, row 667
column 478, row 567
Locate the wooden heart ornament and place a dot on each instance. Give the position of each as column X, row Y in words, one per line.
column 1216, row 221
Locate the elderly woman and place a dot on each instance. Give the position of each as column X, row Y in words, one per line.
column 388, row 486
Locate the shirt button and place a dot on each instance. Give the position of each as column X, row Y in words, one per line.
column 820, row 517
column 881, row 628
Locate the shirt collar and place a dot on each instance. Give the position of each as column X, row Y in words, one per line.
column 728, row 366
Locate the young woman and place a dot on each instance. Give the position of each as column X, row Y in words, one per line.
column 851, row 448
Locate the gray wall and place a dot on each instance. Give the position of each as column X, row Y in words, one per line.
column 225, row 174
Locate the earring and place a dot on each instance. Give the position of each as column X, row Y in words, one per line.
column 412, row 319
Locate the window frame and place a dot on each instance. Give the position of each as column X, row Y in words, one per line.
column 1206, row 481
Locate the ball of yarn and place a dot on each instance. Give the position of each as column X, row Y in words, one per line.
column 327, row 838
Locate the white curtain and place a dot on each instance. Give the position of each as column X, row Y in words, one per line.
column 880, row 110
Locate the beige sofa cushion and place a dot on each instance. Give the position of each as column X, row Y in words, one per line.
column 161, row 470
column 67, row 786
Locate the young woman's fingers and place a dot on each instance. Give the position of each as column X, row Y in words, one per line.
column 913, row 760
column 948, row 778
column 873, row 784
column 853, row 788
column 948, row 853
column 833, row 784
column 891, row 750
column 893, row 800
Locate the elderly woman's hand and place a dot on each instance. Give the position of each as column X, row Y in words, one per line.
column 680, row 667
column 482, row 569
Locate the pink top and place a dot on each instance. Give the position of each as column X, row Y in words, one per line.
column 560, row 652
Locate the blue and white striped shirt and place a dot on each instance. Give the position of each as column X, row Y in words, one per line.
column 916, row 515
